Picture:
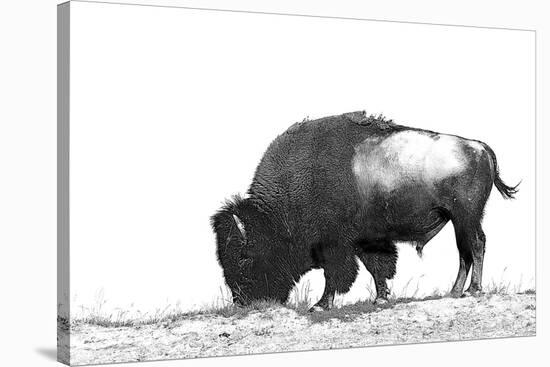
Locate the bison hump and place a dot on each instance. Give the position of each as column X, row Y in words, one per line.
column 361, row 118
column 358, row 117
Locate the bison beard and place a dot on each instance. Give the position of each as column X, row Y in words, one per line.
column 343, row 187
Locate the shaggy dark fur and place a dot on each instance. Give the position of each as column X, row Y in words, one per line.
column 306, row 209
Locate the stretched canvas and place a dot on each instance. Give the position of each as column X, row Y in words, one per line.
column 234, row 182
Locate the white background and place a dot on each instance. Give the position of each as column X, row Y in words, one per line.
column 28, row 184
column 169, row 119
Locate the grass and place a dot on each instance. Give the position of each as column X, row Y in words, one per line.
column 353, row 311
column 116, row 320
column 119, row 318
column 506, row 287
column 300, row 301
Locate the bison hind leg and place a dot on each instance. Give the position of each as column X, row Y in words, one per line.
column 478, row 252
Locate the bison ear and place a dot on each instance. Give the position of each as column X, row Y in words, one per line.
column 240, row 226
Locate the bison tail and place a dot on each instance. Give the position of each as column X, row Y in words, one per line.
column 507, row 192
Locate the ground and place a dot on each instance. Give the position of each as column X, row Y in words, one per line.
column 273, row 328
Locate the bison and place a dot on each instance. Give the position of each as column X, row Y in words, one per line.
column 329, row 190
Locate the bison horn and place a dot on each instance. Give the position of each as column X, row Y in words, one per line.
column 240, row 225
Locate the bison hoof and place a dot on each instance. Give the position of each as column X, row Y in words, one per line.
column 380, row 301
column 317, row 308
column 455, row 294
column 472, row 293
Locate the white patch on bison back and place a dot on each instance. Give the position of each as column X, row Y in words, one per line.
column 476, row 145
column 445, row 158
column 406, row 157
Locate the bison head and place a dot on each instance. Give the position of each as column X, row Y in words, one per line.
column 251, row 253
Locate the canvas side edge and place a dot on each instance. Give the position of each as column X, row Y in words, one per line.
column 63, row 115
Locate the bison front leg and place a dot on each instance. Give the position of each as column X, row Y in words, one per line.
column 380, row 260
column 340, row 270
column 327, row 299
